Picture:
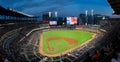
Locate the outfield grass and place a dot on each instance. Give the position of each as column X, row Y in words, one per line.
column 81, row 36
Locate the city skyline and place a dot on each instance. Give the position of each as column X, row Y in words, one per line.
column 63, row 7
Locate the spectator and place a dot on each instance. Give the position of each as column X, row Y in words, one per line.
column 6, row 60
column 102, row 52
column 1, row 58
column 115, row 58
column 96, row 56
column 88, row 58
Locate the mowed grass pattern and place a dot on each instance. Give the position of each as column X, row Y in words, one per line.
column 80, row 36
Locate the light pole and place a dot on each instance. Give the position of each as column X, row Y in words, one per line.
column 92, row 14
column 50, row 14
column 56, row 14
column 86, row 18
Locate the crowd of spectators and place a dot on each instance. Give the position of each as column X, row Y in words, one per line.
column 27, row 49
column 109, row 51
column 11, row 50
column 105, row 50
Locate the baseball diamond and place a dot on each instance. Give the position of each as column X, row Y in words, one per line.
column 57, row 42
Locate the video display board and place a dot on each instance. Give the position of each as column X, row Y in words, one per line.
column 71, row 20
column 52, row 22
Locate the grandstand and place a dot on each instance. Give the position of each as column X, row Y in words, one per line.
column 27, row 48
column 11, row 15
column 115, row 6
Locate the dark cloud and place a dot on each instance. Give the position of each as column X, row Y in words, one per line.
column 64, row 7
column 9, row 3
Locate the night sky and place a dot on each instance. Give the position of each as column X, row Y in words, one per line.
column 64, row 7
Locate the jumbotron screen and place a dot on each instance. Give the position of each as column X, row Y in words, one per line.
column 71, row 20
column 52, row 22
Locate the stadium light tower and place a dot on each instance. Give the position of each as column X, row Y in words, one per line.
column 56, row 14
column 50, row 14
column 92, row 14
column 86, row 13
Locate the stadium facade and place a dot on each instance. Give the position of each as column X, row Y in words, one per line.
column 115, row 5
column 11, row 15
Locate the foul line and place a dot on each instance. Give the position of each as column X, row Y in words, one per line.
column 59, row 54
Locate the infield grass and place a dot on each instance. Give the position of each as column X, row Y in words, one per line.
column 61, row 45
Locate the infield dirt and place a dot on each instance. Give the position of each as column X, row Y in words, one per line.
column 50, row 49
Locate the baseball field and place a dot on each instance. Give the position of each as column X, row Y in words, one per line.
column 61, row 41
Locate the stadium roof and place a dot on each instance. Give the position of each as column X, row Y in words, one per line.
column 15, row 13
column 115, row 4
